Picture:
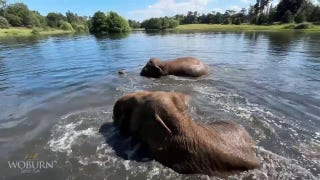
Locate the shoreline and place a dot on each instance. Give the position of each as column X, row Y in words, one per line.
column 242, row 27
column 25, row 32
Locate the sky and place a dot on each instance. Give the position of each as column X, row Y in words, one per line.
column 136, row 10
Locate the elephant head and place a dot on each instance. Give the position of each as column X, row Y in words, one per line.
column 153, row 69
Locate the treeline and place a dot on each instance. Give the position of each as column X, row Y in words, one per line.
column 19, row 15
column 160, row 23
column 261, row 13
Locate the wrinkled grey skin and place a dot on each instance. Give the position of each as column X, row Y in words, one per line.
column 161, row 121
column 186, row 66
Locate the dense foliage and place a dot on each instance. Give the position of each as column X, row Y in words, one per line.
column 3, row 22
column 111, row 22
column 18, row 14
column 261, row 13
column 66, row 26
column 116, row 23
column 134, row 24
column 55, row 19
column 159, row 23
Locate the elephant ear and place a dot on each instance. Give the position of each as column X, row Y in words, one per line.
column 181, row 100
column 162, row 124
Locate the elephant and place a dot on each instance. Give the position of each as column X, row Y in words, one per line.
column 160, row 120
column 185, row 66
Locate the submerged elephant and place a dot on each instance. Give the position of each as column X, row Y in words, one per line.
column 161, row 121
column 186, row 66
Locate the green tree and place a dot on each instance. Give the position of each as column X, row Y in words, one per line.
column 3, row 22
column 315, row 15
column 300, row 18
column 110, row 23
column 14, row 20
column 153, row 24
column 72, row 17
column 66, row 26
column 79, row 24
column 116, row 23
column 226, row 21
column 236, row 21
column 37, row 20
column 294, row 6
column 179, row 18
column 272, row 15
column 191, row 18
column 134, row 24
column 159, row 23
column 18, row 14
column 287, row 17
column 98, row 23
column 55, row 19
column 218, row 18
column 164, row 22
column 173, row 23
column 262, row 19
column 308, row 10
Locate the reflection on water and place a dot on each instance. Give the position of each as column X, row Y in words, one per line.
column 55, row 93
column 112, row 36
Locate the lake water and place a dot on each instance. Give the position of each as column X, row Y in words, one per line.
column 56, row 92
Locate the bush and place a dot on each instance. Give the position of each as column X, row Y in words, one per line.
column 303, row 26
column 152, row 24
column 14, row 20
column 262, row 19
column 19, row 15
column 254, row 20
column 236, row 21
column 80, row 27
column 289, row 26
column 300, row 18
column 55, row 19
column 226, row 21
column 116, row 23
column 110, row 23
column 287, row 17
column 3, row 22
column 134, row 24
column 98, row 23
column 173, row 23
column 66, row 26
column 159, row 23
column 37, row 20
column 35, row 31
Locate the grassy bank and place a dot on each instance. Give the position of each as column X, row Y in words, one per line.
column 243, row 27
column 14, row 31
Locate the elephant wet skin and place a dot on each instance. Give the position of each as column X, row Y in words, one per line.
column 186, row 66
column 161, row 121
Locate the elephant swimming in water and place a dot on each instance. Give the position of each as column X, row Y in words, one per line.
column 186, row 66
column 161, row 121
